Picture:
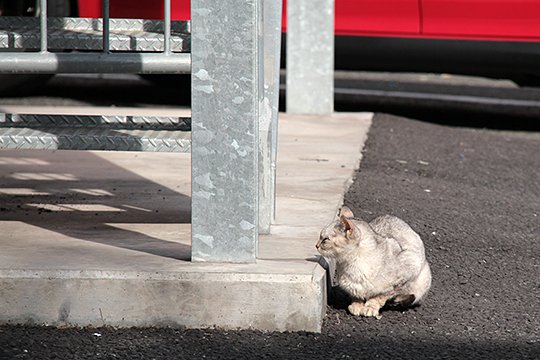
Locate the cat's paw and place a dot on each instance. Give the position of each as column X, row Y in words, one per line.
column 356, row 308
column 371, row 310
column 367, row 310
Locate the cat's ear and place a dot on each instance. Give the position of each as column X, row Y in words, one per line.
column 351, row 231
column 345, row 211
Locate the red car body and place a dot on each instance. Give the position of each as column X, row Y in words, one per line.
column 508, row 20
column 496, row 38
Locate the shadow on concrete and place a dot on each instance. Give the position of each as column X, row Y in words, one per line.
column 36, row 188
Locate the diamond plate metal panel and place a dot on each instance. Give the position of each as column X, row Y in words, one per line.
column 90, row 24
column 86, row 34
column 94, row 139
column 74, row 132
column 88, row 121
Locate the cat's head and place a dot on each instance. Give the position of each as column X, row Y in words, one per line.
column 340, row 236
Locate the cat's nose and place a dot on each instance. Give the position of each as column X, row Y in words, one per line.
column 317, row 246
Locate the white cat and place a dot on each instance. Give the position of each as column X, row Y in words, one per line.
column 376, row 262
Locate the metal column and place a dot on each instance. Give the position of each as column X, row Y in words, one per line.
column 310, row 56
column 269, row 112
column 227, row 89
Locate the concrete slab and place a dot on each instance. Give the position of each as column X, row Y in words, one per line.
column 103, row 238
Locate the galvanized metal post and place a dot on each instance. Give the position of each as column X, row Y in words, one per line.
column 268, row 125
column 226, row 94
column 310, row 56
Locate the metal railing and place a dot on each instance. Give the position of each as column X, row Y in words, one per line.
column 104, row 62
column 233, row 59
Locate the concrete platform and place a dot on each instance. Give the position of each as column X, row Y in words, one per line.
column 103, row 238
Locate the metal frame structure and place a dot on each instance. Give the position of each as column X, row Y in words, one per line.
column 234, row 62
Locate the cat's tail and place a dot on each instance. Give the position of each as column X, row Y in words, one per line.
column 402, row 301
column 419, row 287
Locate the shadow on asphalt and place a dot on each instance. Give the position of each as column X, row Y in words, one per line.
column 480, row 119
column 175, row 91
column 109, row 343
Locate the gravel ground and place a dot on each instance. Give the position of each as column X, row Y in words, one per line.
column 474, row 197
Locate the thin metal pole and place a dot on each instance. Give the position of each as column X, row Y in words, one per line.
column 106, row 26
column 167, row 29
column 43, row 25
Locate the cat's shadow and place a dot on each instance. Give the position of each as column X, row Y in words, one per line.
column 340, row 300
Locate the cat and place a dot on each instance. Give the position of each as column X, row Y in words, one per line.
column 377, row 262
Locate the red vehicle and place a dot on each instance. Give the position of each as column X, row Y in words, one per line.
column 480, row 37
column 484, row 37
column 511, row 20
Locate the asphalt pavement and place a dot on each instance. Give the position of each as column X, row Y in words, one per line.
column 474, row 197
